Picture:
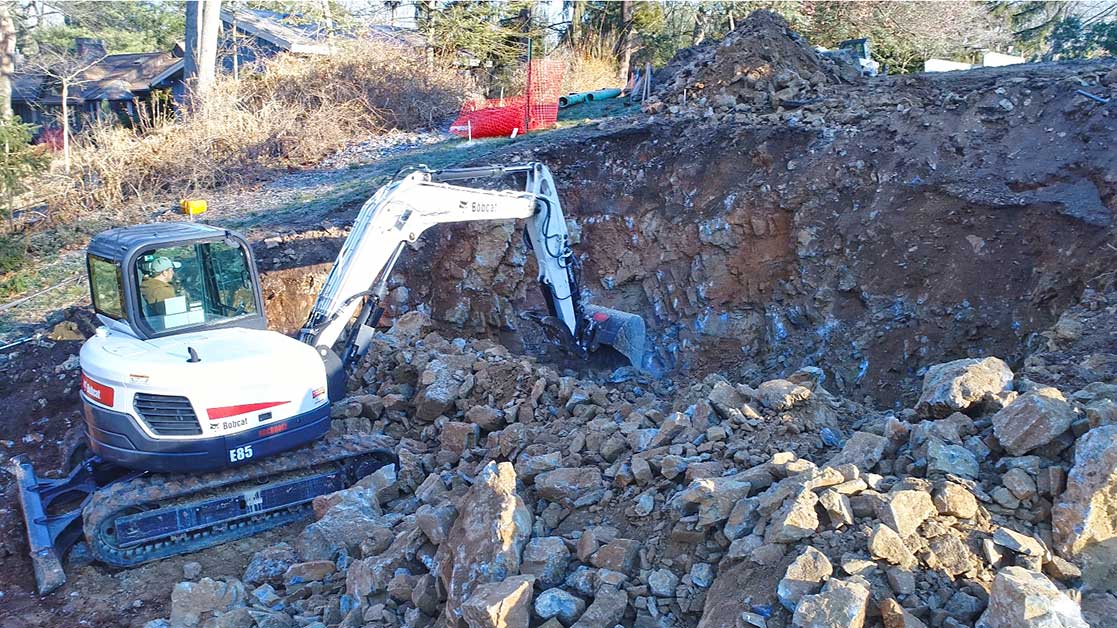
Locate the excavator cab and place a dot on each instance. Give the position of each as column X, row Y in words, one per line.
column 163, row 279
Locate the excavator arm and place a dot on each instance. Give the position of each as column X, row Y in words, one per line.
column 402, row 210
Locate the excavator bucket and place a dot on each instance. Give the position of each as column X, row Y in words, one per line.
column 622, row 331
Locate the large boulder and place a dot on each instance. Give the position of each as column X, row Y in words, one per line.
column 962, row 384
column 1083, row 518
column 487, row 539
column 1022, row 598
column 1032, row 420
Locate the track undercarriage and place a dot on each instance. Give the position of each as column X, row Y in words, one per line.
column 130, row 518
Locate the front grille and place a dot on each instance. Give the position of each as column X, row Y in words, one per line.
column 166, row 415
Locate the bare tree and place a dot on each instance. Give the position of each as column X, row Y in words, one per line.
column 203, row 21
column 67, row 72
column 7, row 60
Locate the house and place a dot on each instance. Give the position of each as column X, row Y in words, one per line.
column 112, row 85
column 124, row 84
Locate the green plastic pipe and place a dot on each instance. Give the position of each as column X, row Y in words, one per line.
column 603, row 94
column 572, row 99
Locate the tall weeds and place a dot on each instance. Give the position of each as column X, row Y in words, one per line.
column 292, row 111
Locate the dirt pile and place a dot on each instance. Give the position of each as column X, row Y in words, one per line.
column 528, row 497
column 760, row 66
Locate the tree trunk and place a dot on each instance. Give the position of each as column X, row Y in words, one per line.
column 66, row 124
column 626, row 39
column 7, row 60
column 207, row 47
column 699, row 34
column 203, row 21
column 577, row 11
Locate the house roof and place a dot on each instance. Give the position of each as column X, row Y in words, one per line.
column 274, row 28
column 116, row 77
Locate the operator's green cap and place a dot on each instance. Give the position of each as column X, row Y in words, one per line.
column 158, row 265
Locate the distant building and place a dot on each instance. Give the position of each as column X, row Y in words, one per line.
column 115, row 85
column 121, row 85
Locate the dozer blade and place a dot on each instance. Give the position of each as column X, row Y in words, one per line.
column 49, row 536
column 622, row 331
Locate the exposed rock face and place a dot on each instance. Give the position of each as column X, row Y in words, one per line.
column 505, row 604
column 487, row 538
column 959, row 385
column 841, row 604
column 1020, row 597
column 1085, row 516
column 1032, row 420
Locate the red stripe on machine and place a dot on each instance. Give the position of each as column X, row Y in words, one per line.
column 227, row 411
column 96, row 391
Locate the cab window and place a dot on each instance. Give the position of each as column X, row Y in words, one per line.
column 194, row 284
column 105, row 287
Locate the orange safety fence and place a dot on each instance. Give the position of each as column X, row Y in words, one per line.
column 536, row 109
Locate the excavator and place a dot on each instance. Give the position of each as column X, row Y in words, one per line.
column 203, row 426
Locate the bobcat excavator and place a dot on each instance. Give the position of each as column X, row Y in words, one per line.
column 189, row 400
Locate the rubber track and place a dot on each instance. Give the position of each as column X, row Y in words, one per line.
column 156, row 490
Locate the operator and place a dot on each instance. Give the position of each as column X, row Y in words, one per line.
column 156, row 285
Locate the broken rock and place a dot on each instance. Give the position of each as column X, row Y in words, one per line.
column 1020, row 597
column 906, row 510
column 505, row 604
column 841, row 604
column 780, row 394
column 955, row 500
column 959, row 385
column 561, row 605
column 546, row 559
column 571, row 486
column 795, row 520
column 805, row 576
column 487, row 538
column 195, row 603
column 1083, row 517
column 1032, row 420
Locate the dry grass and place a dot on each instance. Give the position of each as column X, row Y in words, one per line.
column 294, row 111
column 590, row 65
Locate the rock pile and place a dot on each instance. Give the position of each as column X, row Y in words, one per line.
column 760, row 66
column 529, row 498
